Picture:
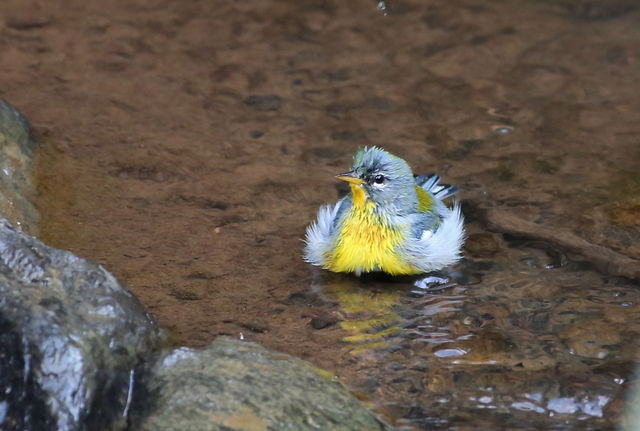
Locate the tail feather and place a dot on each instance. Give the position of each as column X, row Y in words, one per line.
column 430, row 183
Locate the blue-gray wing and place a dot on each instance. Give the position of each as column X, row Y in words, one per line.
column 430, row 182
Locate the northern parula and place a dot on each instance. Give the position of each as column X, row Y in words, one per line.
column 392, row 221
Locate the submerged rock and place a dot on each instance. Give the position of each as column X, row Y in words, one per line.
column 236, row 385
column 17, row 149
column 268, row 102
column 70, row 337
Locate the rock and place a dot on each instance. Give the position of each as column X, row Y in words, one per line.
column 604, row 259
column 70, row 338
column 327, row 152
column 235, row 385
column 17, row 148
column 325, row 319
column 257, row 325
column 309, row 299
column 268, row 102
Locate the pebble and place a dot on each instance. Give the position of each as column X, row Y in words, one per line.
column 268, row 102
column 325, row 319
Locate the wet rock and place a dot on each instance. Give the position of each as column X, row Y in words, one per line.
column 325, row 319
column 257, row 325
column 235, row 385
column 17, row 148
column 70, row 337
column 604, row 259
column 269, row 102
column 309, row 299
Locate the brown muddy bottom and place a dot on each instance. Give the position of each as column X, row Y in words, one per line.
column 186, row 145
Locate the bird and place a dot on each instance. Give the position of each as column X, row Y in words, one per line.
column 392, row 221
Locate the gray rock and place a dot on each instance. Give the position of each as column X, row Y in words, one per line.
column 17, row 149
column 235, row 385
column 70, row 336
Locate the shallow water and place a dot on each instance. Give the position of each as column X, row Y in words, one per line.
column 186, row 145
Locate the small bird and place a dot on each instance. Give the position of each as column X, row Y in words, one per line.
column 392, row 221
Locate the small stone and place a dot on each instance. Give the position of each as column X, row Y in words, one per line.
column 394, row 366
column 325, row 320
column 327, row 152
column 305, row 298
column 268, row 102
column 258, row 325
column 186, row 294
column 419, row 365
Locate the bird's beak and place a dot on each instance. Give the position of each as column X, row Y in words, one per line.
column 350, row 177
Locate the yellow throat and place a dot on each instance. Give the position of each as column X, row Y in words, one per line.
column 366, row 242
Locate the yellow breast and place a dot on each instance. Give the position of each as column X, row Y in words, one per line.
column 365, row 243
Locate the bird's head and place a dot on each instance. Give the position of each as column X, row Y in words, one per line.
column 381, row 177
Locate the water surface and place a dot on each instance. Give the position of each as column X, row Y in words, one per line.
column 186, row 145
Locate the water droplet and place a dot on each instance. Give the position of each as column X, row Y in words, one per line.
column 382, row 6
column 563, row 405
column 503, row 129
column 486, row 399
column 449, row 353
column 527, row 406
column 430, row 282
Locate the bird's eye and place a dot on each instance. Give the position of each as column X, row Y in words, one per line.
column 379, row 179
